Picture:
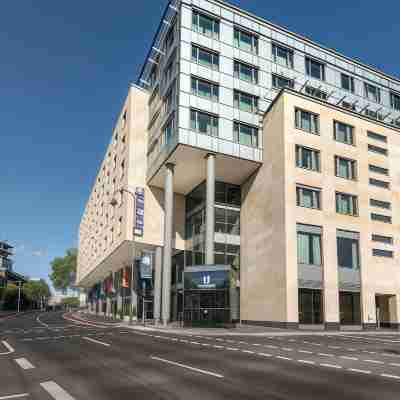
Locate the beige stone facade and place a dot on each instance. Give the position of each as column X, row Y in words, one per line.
column 269, row 259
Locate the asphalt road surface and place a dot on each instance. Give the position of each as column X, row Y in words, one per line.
column 43, row 356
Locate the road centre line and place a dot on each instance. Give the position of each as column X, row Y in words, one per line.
column 202, row 371
column 331, row 366
column 390, row 376
column 14, row 396
column 374, row 361
column 96, row 341
column 56, row 391
column 8, row 347
column 24, row 363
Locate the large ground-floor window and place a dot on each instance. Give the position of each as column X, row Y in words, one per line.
column 311, row 306
column 350, row 309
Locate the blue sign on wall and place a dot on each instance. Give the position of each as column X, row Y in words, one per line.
column 139, row 212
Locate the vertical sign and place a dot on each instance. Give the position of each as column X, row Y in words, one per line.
column 139, row 214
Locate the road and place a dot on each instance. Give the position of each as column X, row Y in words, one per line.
column 43, row 356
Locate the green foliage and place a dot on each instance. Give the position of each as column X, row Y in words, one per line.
column 64, row 270
column 36, row 291
column 10, row 298
column 70, row 302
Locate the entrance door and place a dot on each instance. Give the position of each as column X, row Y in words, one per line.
column 350, row 308
column 310, row 306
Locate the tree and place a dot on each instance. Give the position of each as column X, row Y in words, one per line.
column 37, row 292
column 64, row 270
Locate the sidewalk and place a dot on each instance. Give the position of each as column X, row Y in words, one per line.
column 240, row 330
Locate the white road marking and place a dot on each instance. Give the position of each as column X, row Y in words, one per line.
column 331, row 366
column 265, row 354
column 370, row 338
column 306, row 362
column 56, row 391
column 284, row 358
column 24, row 363
column 248, row 351
column 195, row 342
column 287, row 349
column 394, row 364
column 8, row 347
column 349, row 358
column 374, row 361
column 14, row 396
column 96, row 341
column 217, row 346
column 334, row 347
column 325, row 355
column 232, row 348
column 271, row 346
column 305, row 351
column 390, row 376
column 361, row 371
column 202, row 371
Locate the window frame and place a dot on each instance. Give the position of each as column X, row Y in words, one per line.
column 275, row 77
column 253, row 69
column 353, row 203
column 384, row 205
column 254, row 40
column 378, row 170
column 214, row 88
column 308, row 63
column 378, row 98
column 315, row 195
column 299, row 157
column 315, row 123
column 395, row 100
column 350, row 78
column 237, row 95
column 377, row 136
column 289, row 55
column 254, row 136
column 350, row 130
column 214, row 122
column 376, row 237
column 379, row 183
column 382, row 253
column 378, row 150
column 353, row 168
column 196, row 26
column 386, row 219
column 214, row 57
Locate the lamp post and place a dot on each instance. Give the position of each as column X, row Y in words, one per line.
column 113, row 203
column 19, row 296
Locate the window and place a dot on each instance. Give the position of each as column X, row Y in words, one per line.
column 315, row 92
column 204, row 57
column 382, row 239
column 381, row 218
column 205, row 25
column 380, row 203
column 372, row 92
column 382, row 253
column 347, row 82
column 378, row 170
column 168, row 131
column 226, row 193
column 169, row 38
column 373, row 114
column 315, row 69
column 307, row 158
column 346, row 204
column 227, row 221
column 343, row 132
column 245, row 72
column 245, row 102
column 377, row 136
column 308, row 197
column 379, row 183
column 245, row 134
column 307, row 121
column 204, row 88
column 395, row 101
column 309, row 248
column 376, row 149
column 282, row 55
column 245, row 41
column 279, row 82
column 170, row 69
column 347, row 250
column 204, row 123
column 169, row 100
column 345, row 168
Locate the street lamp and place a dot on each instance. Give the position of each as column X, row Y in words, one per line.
column 113, row 203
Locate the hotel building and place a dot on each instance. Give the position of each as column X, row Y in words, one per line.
column 253, row 176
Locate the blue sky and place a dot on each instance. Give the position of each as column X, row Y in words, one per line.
column 64, row 71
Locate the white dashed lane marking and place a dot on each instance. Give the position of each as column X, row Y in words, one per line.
column 56, row 391
column 24, row 363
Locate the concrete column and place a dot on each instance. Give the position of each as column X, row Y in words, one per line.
column 157, row 284
column 168, row 225
column 210, row 210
